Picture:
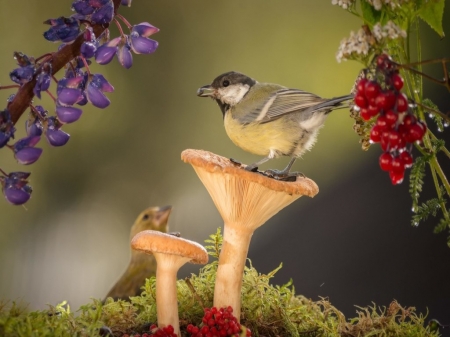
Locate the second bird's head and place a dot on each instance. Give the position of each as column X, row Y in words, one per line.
column 228, row 88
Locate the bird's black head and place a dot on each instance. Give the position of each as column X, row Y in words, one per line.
column 232, row 78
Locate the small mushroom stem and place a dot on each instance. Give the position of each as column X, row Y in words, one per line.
column 166, row 290
column 232, row 259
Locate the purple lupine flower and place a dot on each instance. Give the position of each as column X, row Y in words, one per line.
column 55, row 136
column 104, row 14
column 105, row 53
column 42, row 83
column 63, row 29
column 25, row 152
column 70, row 90
column 140, row 43
column 68, row 114
column 89, row 46
column 83, row 7
column 124, row 54
column 22, row 74
column 126, row 3
column 15, row 187
column 7, row 128
column 34, row 125
column 95, row 91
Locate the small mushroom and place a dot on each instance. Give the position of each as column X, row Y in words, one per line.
column 171, row 252
column 140, row 266
column 245, row 200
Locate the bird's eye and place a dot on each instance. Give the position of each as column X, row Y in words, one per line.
column 145, row 217
column 226, row 83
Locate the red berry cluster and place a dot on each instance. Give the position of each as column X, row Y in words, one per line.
column 217, row 323
column 155, row 331
column 396, row 126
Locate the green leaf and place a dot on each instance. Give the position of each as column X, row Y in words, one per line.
column 416, row 181
column 432, row 12
column 370, row 14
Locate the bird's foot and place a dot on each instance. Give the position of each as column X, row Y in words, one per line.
column 283, row 175
column 251, row 168
column 235, row 162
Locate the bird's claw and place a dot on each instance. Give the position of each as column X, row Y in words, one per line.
column 235, row 162
column 283, row 176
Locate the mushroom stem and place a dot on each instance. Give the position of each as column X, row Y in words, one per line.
column 232, row 259
column 166, row 290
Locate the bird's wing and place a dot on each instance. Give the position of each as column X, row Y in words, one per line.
column 287, row 101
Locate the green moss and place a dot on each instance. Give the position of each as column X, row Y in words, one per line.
column 266, row 309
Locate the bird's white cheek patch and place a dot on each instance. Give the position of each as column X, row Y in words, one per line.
column 233, row 94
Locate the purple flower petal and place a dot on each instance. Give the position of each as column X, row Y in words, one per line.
column 68, row 114
column 33, row 128
column 28, row 155
column 70, row 96
column 105, row 53
column 143, row 45
column 22, row 75
column 57, row 137
column 88, row 49
column 16, row 196
column 144, row 29
column 83, row 8
column 125, row 57
column 96, row 97
column 103, row 15
column 99, row 81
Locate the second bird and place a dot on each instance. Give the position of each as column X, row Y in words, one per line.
column 141, row 266
column 269, row 119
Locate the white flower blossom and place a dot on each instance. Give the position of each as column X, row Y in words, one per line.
column 378, row 4
column 390, row 31
column 342, row 3
column 358, row 43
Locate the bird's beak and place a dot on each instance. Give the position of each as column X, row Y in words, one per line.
column 206, row 91
column 162, row 215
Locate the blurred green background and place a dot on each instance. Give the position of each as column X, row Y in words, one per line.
column 71, row 240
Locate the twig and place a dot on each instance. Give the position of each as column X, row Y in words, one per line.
column 25, row 94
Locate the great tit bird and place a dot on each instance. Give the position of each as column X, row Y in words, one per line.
column 141, row 265
column 269, row 119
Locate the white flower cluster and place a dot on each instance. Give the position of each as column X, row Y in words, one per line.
column 378, row 4
column 342, row 3
column 357, row 43
column 390, row 30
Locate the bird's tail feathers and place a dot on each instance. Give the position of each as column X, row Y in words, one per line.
column 332, row 104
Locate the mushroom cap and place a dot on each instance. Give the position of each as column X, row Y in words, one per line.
column 214, row 163
column 157, row 242
column 245, row 199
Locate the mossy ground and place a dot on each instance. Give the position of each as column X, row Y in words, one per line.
column 268, row 310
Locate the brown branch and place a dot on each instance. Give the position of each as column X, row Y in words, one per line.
column 25, row 95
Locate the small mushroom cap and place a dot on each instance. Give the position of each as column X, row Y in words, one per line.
column 214, row 163
column 157, row 242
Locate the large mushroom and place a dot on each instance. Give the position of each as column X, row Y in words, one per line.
column 171, row 252
column 245, row 200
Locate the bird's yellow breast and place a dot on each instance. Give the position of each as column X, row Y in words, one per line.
column 269, row 139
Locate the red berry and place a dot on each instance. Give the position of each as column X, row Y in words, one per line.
column 396, row 176
column 382, row 123
column 364, row 113
column 372, row 89
column 397, row 81
column 397, row 165
column 360, row 86
column 384, row 141
column 416, row 132
column 361, row 101
column 384, row 62
column 385, row 100
column 394, row 139
column 375, row 134
column 409, row 120
column 391, row 118
column 402, row 103
column 385, row 161
column 373, row 110
column 406, row 158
